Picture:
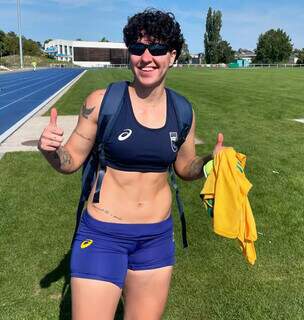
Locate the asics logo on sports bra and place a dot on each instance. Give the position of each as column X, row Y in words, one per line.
column 86, row 243
column 173, row 138
column 125, row 134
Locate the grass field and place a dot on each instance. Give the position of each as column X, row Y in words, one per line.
column 253, row 108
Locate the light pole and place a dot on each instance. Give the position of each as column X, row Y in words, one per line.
column 19, row 31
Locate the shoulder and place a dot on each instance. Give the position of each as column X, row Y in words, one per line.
column 94, row 100
column 179, row 100
column 182, row 106
column 115, row 89
column 95, row 97
column 91, row 105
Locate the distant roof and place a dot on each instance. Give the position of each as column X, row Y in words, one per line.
column 86, row 44
column 242, row 53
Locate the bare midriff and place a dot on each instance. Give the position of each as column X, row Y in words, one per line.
column 132, row 197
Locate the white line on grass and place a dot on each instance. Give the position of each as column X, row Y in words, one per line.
column 299, row 120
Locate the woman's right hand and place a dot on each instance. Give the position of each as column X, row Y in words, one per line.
column 52, row 136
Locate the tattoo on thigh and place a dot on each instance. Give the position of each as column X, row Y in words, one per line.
column 64, row 156
column 81, row 135
column 86, row 111
column 105, row 211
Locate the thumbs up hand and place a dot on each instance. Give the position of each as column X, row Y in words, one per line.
column 219, row 144
column 53, row 117
column 52, row 136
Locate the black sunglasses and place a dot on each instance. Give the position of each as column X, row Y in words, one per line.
column 156, row 49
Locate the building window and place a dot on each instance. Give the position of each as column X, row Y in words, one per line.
column 114, row 56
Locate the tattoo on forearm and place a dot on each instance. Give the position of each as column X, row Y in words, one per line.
column 64, row 157
column 107, row 212
column 86, row 111
column 196, row 167
column 81, row 135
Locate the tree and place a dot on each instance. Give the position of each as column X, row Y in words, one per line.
column 39, row 45
column 185, row 55
column 2, row 35
column 225, row 52
column 273, row 46
column 2, row 45
column 31, row 48
column 11, row 43
column 300, row 56
column 104, row 39
column 212, row 36
column 46, row 41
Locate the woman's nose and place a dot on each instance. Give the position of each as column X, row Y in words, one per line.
column 146, row 56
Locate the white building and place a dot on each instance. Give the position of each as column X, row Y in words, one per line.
column 88, row 53
column 246, row 55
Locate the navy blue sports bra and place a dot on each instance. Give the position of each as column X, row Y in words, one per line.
column 134, row 147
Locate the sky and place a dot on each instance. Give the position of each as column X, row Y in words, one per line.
column 242, row 20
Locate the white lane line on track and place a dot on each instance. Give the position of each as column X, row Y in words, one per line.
column 7, row 133
column 14, row 80
column 16, row 83
column 30, row 85
column 32, row 93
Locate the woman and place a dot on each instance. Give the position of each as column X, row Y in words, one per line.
column 125, row 242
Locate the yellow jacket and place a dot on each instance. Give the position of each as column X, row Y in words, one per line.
column 226, row 188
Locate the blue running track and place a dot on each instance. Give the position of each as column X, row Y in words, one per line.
column 22, row 94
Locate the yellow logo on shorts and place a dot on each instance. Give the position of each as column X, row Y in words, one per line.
column 86, row 243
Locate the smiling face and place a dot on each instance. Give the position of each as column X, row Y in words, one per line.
column 149, row 70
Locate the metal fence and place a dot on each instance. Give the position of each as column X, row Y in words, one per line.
column 13, row 63
column 251, row 66
column 281, row 65
column 213, row 66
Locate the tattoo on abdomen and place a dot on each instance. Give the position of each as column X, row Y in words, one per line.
column 107, row 212
column 86, row 111
column 64, row 156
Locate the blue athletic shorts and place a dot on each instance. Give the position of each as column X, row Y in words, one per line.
column 105, row 251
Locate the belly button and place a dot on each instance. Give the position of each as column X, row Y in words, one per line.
column 140, row 204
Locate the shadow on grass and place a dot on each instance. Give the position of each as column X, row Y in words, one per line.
column 63, row 271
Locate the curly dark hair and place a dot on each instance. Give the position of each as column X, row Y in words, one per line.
column 157, row 25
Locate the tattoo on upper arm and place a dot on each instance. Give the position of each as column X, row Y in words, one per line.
column 81, row 135
column 64, row 157
column 86, row 111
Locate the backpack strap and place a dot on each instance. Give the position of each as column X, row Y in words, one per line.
column 184, row 115
column 180, row 206
column 109, row 109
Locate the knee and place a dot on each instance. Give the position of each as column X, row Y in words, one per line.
column 140, row 317
column 142, row 313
